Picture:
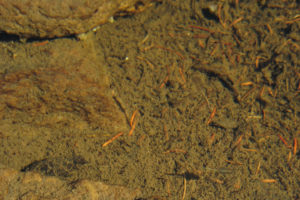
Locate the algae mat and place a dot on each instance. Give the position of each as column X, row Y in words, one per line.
column 215, row 87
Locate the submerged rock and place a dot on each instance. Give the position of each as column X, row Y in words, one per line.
column 56, row 18
column 31, row 185
column 63, row 86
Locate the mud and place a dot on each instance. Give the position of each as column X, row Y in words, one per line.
column 216, row 94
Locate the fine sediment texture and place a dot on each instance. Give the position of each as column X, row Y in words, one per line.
column 209, row 88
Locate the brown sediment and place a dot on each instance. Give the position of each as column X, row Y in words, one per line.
column 246, row 66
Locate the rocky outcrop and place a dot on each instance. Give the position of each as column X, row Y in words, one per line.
column 65, row 85
column 56, row 18
column 30, row 185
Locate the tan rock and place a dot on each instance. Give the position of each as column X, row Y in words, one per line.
column 29, row 185
column 31, row 177
column 56, row 18
column 67, row 86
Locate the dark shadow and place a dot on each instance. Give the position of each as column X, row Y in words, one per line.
column 4, row 37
